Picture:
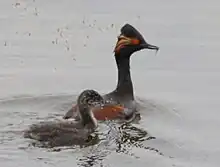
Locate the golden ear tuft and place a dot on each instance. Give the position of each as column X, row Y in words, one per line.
column 123, row 41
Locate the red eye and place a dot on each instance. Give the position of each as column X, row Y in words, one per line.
column 135, row 41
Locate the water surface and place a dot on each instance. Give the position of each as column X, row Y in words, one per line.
column 51, row 50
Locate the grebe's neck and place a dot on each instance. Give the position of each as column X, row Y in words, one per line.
column 87, row 118
column 124, row 85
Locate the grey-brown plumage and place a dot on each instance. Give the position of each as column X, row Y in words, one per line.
column 66, row 132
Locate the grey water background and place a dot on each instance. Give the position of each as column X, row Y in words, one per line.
column 51, row 50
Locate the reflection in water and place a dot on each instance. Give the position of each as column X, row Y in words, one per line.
column 121, row 141
column 132, row 136
column 91, row 160
column 118, row 138
column 97, row 153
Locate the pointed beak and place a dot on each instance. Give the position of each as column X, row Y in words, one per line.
column 149, row 46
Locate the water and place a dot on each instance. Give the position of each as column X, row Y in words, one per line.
column 50, row 51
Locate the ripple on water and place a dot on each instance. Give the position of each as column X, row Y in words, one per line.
column 132, row 140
